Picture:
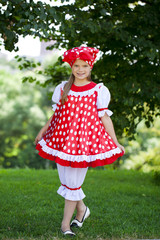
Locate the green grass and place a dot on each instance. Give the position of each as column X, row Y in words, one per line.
column 124, row 205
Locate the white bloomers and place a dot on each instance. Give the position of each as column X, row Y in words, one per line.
column 71, row 180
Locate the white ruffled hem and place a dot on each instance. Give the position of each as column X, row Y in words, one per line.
column 77, row 158
column 101, row 113
column 73, row 195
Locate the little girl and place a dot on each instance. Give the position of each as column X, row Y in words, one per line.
column 80, row 134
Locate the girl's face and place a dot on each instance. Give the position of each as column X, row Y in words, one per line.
column 81, row 70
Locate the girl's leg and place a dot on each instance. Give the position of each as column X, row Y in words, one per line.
column 69, row 210
column 68, row 213
column 71, row 181
column 81, row 208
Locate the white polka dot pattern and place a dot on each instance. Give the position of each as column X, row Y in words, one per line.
column 76, row 136
column 76, row 128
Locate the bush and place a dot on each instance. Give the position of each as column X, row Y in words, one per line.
column 23, row 112
column 143, row 153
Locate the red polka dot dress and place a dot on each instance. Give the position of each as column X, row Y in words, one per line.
column 76, row 136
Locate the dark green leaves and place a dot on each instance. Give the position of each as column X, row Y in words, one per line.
column 126, row 32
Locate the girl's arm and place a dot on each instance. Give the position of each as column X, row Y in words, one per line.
column 108, row 125
column 42, row 131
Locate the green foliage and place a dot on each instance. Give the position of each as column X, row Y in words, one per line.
column 26, row 18
column 52, row 72
column 26, row 63
column 22, row 114
column 126, row 32
column 143, row 153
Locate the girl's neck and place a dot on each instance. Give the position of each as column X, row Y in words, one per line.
column 81, row 82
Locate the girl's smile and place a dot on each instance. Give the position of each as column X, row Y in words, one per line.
column 81, row 70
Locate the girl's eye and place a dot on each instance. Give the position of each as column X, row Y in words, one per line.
column 85, row 66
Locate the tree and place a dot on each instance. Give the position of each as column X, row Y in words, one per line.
column 126, row 32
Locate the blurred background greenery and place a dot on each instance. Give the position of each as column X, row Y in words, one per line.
column 25, row 107
column 24, row 110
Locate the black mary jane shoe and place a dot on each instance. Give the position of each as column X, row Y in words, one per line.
column 77, row 223
column 68, row 233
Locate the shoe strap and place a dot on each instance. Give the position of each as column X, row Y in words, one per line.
column 68, row 232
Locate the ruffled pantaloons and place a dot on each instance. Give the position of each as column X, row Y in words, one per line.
column 71, row 181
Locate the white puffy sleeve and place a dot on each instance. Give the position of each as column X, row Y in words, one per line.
column 103, row 100
column 57, row 94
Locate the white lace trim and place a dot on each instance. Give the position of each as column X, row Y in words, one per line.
column 101, row 113
column 78, row 94
column 77, row 158
column 85, row 93
column 73, row 195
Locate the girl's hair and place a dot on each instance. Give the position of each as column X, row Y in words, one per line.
column 68, row 86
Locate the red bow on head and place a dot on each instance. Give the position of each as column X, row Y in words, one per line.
column 86, row 54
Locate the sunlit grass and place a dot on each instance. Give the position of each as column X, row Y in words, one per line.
column 123, row 204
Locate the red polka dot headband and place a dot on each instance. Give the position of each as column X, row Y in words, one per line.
column 86, row 54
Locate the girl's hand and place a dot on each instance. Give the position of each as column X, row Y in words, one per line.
column 121, row 147
column 42, row 131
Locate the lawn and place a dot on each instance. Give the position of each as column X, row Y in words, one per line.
column 124, row 205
